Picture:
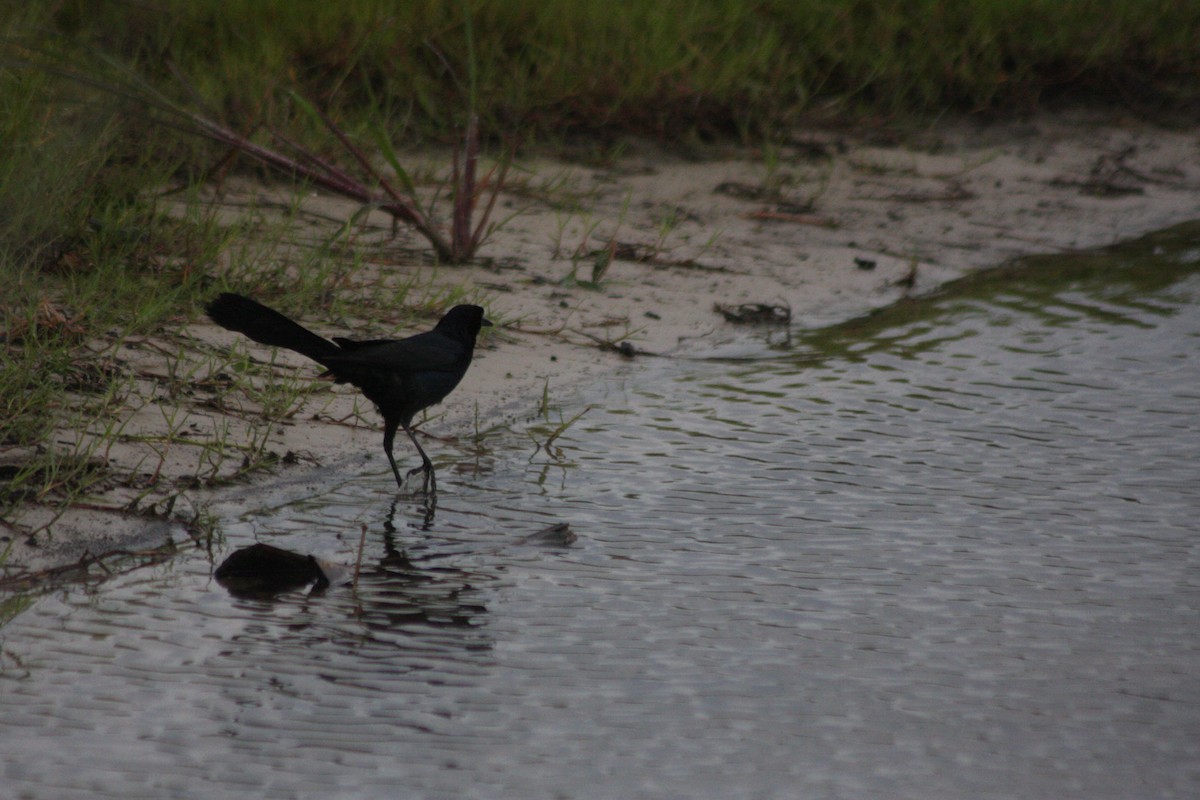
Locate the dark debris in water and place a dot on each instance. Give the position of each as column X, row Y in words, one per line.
column 559, row 535
column 262, row 571
column 755, row 313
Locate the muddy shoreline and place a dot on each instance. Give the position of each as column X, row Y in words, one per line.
column 600, row 264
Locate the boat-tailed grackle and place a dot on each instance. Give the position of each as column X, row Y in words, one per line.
column 400, row 376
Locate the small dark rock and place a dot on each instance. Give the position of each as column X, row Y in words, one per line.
column 262, row 570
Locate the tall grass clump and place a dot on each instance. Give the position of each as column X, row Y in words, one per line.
column 87, row 259
column 659, row 67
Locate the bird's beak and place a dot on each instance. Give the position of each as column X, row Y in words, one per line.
column 487, row 323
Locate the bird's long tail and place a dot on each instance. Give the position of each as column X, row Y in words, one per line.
column 267, row 326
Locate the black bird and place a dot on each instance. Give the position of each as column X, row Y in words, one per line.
column 400, row 376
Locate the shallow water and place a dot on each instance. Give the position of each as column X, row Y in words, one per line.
column 946, row 551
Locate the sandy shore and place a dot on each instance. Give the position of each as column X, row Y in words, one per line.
column 829, row 226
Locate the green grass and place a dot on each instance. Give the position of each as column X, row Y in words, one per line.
column 665, row 67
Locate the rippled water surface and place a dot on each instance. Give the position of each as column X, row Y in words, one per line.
column 948, row 551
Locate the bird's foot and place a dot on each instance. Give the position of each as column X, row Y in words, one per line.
column 429, row 486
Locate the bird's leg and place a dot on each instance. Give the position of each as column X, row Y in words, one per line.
column 389, row 436
column 430, row 485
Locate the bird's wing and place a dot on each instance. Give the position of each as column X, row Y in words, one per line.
column 421, row 353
